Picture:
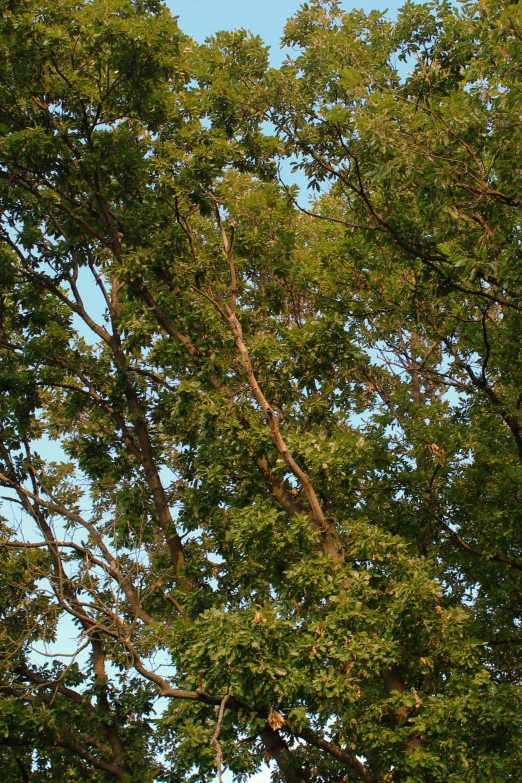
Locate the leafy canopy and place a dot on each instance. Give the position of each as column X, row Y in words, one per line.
column 261, row 455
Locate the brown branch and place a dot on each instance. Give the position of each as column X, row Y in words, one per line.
column 274, row 484
column 482, row 384
column 176, row 605
column 111, row 731
column 227, row 248
column 110, row 566
column 163, row 320
column 280, row 752
column 78, row 750
column 215, row 737
column 512, row 562
column 335, row 751
column 24, row 671
column 328, row 542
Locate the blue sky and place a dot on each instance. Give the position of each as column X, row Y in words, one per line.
column 201, row 18
column 266, row 18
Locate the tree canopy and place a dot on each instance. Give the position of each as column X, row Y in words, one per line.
column 260, row 445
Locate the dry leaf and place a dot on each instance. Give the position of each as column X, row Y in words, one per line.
column 275, row 720
column 436, row 451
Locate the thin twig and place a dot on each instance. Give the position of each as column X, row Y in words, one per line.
column 215, row 738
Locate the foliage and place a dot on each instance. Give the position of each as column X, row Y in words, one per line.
column 282, row 522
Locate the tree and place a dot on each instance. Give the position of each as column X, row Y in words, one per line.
column 283, row 518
